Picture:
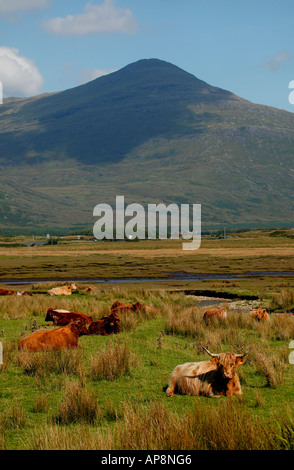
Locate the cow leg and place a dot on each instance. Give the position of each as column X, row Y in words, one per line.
column 234, row 387
column 172, row 383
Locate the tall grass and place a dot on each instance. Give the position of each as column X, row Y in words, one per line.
column 44, row 363
column 271, row 365
column 13, row 417
column 235, row 330
column 76, row 437
column 73, row 416
column 152, row 427
column 95, row 305
column 114, row 362
column 78, row 405
column 283, row 301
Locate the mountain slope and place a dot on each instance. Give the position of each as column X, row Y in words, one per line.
column 149, row 98
column 153, row 133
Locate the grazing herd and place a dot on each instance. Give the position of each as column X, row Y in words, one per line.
column 12, row 292
column 211, row 378
column 221, row 314
column 72, row 325
column 215, row 377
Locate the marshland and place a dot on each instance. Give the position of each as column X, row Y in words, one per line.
column 110, row 393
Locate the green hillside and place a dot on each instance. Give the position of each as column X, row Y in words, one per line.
column 153, row 133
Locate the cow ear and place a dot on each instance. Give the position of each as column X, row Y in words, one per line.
column 239, row 361
column 215, row 360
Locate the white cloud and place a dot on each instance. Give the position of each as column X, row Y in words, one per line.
column 15, row 6
column 18, row 74
column 278, row 60
column 90, row 74
column 104, row 18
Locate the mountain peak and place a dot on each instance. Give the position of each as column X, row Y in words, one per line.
column 163, row 77
column 153, row 132
column 111, row 115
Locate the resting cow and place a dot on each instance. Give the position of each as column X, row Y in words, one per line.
column 89, row 289
column 64, row 317
column 63, row 290
column 65, row 337
column 208, row 378
column 12, row 292
column 217, row 313
column 6, row 292
column 119, row 307
column 106, row 326
column 260, row 314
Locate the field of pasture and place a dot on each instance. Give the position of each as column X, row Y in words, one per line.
column 110, row 393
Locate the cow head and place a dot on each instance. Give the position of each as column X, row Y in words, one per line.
column 114, row 322
column 79, row 327
column 116, row 304
column 227, row 363
column 111, row 323
column 261, row 313
column 49, row 315
column 113, row 318
column 73, row 287
column 137, row 306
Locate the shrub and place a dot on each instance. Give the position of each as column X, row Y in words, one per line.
column 282, row 301
column 112, row 363
column 13, row 417
column 271, row 366
column 45, row 362
column 78, row 405
column 227, row 427
column 40, row 404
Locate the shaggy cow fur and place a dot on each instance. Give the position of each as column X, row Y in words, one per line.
column 207, row 378
column 63, row 290
column 259, row 314
column 64, row 317
column 65, row 337
column 218, row 313
column 119, row 307
column 106, row 326
column 6, row 292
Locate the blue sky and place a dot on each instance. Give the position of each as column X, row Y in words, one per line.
column 245, row 47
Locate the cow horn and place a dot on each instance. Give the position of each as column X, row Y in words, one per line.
column 212, row 355
column 245, row 354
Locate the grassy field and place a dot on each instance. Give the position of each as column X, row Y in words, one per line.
column 110, row 394
column 242, row 253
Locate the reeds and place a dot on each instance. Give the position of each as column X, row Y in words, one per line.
column 152, row 427
column 115, row 361
column 78, row 405
column 283, row 301
column 271, row 365
column 44, row 363
column 13, row 417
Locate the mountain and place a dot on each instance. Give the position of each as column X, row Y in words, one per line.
column 153, row 133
